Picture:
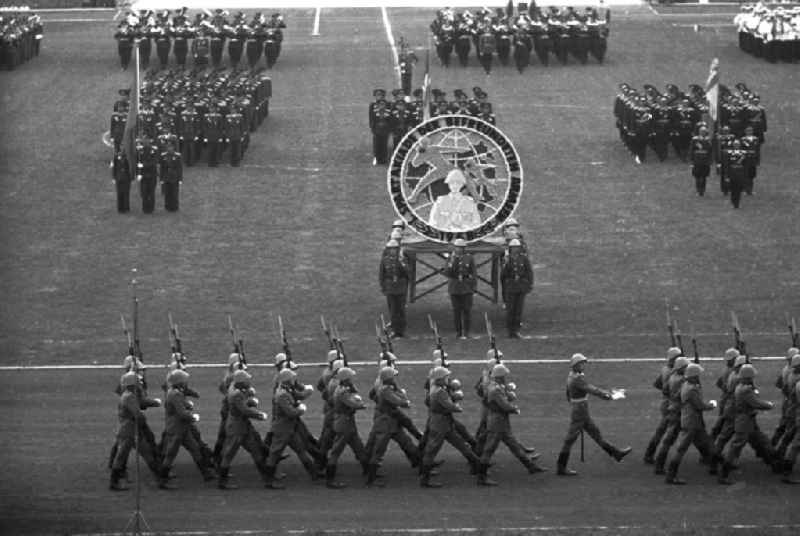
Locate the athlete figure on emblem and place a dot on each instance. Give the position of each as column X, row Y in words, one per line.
column 455, row 211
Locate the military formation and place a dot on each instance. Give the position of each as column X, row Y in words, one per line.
column 551, row 31
column 682, row 422
column 21, row 34
column 390, row 120
column 772, row 34
column 204, row 38
column 185, row 117
column 651, row 119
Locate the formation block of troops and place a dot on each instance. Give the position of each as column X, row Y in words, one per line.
column 560, row 32
column 21, row 33
column 204, row 37
column 392, row 120
column 186, row 117
column 650, row 118
column 772, row 34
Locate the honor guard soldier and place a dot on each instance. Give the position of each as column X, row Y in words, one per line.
column 501, row 402
column 218, row 31
column 393, row 279
column 406, row 62
column 757, row 118
column 187, row 133
column 578, row 391
column 236, row 38
column 125, row 37
column 379, row 95
column 673, row 391
column 146, row 23
column 783, row 382
column 171, row 178
column 130, row 435
column 791, row 441
column 346, row 401
column 700, row 156
column 121, row 173
column 201, row 46
column 752, row 148
column 162, row 31
column 178, row 429
column 747, row 404
column 660, row 383
column 212, row 134
column 722, row 384
column 724, row 141
column 381, row 128
column 460, row 270
column 402, row 121
column 736, row 165
column 182, row 32
column 517, row 280
column 148, row 174
column 693, row 428
column 234, row 134
column 254, row 43
column 117, row 130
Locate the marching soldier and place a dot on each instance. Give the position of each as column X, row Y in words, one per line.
column 700, row 156
column 517, row 280
column 782, row 383
column 736, row 164
column 728, row 415
column 673, row 391
column 239, row 431
column 346, row 401
column 130, row 418
column 752, row 148
column 171, row 178
column 393, row 278
column 693, row 428
column 501, row 404
column 121, row 173
column 148, row 174
column 724, row 141
column 722, row 384
column 327, row 387
column 747, row 404
column 661, row 383
column 791, row 438
column 578, row 391
column 177, row 428
column 234, row 363
column 461, row 271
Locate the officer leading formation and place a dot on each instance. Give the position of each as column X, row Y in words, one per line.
column 21, row 34
column 204, row 38
column 560, row 32
column 772, row 34
column 186, row 117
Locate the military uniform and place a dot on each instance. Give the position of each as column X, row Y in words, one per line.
column 790, row 458
column 736, row 165
column 393, row 279
column 517, row 279
column 171, row 178
column 121, row 173
column 673, row 390
column 125, row 36
column 234, row 134
column 461, row 271
column 381, row 126
column 346, row 401
column 661, row 383
column 212, row 133
column 148, row 175
column 700, row 156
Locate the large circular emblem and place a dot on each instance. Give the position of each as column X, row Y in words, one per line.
column 455, row 176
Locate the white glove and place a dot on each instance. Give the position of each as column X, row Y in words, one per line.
column 713, row 403
column 512, row 386
column 254, row 401
column 189, row 404
column 195, row 417
column 302, row 408
column 262, row 416
column 157, row 401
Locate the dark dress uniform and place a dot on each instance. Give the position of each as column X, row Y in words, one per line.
column 124, row 37
column 236, row 39
column 578, row 391
column 517, row 280
column 736, row 164
column 217, row 44
column 201, row 48
column 122, row 180
column 117, row 130
column 461, row 271
column 393, row 278
column 752, row 148
column 163, row 44
column 720, row 149
column 700, row 156
column 212, row 135
column 254, row 45
column 234, row 133
column 180, row 45
column 381, row 126
column 486, row 45
column 346, row 401
column 171, row 178
column 187, row 134
column 148, row 176
column 145, row 46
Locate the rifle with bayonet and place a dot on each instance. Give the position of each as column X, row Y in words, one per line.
column 384, row 347
column 670, row 325
column 337, row 340
column 739, row 341
column 284, row 341
column 694, row 344
column 137, row 349
column 175, row 343
column 438, row 338
column 331, row 343
column 127, row 335
column 793, row 331
column 492, row 339
column 238, row 343
column 386, row 334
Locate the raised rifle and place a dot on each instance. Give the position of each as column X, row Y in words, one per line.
column 385, row 328
column 127, row 335
column 384, row 347
column 793, row 331
column 492, row 339
column 694, row 344
column 327, row 331
column 137, row 349
column 438, row 338
column 284, row 341
column 337, row 339
column 238, row 343
column 175, row 341
column 678, row 336
column 670, row 325
column 741, row 345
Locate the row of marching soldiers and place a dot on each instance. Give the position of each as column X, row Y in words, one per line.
column 21, row 33
column 208, row 35
column 682, row 422
column 560, row 32
column 773, row 34
column 395, row 118
column 320, row 457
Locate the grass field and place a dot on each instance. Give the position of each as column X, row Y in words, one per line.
column 297, row 231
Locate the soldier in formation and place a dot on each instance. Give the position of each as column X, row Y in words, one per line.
column 21, row 33
column 205, row 37
column 560, row 32
column 771, row 33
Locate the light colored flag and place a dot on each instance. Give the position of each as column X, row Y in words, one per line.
column 131, row 124
column 712, row 89
column 426, row 87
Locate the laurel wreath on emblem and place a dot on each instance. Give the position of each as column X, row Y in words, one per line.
column 455, row 176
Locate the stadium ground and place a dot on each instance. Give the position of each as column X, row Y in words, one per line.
column 297, row 231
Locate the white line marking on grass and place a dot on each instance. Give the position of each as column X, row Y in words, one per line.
column 285, row 168
column 423, row 362
column 390, row 37
column 315, row 31
column 704, row 25
column 446, row 530
column 48, row 21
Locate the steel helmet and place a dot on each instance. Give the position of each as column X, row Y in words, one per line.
column 438, row 373
column 515, row 243
column 681, row 362
column 731, row 354
column 791, row 352
column 128, row 379
column 740, row 361
column 286, row 375
column 748, row 372
column 459, row 243
column 333, row 355
column 177, row 377
column 233, row 359
column 455, row 384
column 240, row 376
column 693, row 370
column 388, row 373
column 346, row 373
column 795, row 361
column 673, row 352
column 500, row 371
column 577, row 358
column 337, row 365
column 392, row 244
column 491, row 353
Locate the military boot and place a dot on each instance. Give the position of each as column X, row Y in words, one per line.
column 115, row 484
column 532, row 466
column 330, row 478
column 223, row 481
column 425, row 480
column 724, row 474
column 661, row 459
column 163, row 479
column 672, row 472
column 787, row 473
column 268, row 473
column 562, row 470
column 649, row 454
column 372, row 477
column 483, row 478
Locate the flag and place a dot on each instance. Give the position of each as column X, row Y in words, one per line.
column 712, row 89
column 426, row 88
column 131, row 124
